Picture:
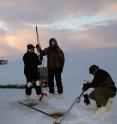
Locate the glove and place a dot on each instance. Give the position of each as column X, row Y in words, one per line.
column 38, row 83
column 29, row 84
column 38, row 47
column 86, row 99
column 86, row 86
column 61, row 69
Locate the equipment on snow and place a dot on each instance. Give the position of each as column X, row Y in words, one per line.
column 2, row 62
column 31, row 106
column 44, row 108
column 16, row 86
column 77, row 100
column 42, row 95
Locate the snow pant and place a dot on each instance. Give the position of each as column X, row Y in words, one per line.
column 32, row 80
column 101, row 95
column 32, row 75
column 57, row 74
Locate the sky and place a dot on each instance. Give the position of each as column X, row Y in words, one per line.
column 76, row 24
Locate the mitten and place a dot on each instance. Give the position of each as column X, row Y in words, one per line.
column 86, row 99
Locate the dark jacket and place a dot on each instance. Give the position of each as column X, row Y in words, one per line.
column 102, row 79
column 31, row 62
column 55, row 57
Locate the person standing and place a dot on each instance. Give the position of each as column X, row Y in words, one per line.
column 55, row 64
column 104, row 89
column 31, row 62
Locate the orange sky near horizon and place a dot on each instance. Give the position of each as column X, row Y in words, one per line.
column 75, row 26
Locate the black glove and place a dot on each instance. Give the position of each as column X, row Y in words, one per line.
column 86, row 86
column 61, row 69
column 86, row 99
column 37, row 46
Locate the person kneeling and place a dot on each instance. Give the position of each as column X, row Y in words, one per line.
column 104, row 89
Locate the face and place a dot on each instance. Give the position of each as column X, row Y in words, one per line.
column 31, row 50
column 94, row 72
column 53, row 43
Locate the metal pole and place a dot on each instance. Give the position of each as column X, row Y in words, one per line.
column 76, row 100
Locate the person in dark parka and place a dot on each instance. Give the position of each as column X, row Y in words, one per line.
column 55, row 64
column 104, row 87
column 31, row 62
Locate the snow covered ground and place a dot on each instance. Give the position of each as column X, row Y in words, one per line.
column 75, row 72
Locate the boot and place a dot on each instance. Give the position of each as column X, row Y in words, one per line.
column 50, row 95
column 60, row 96
column 86, row 99
column 100, row 110
column 27, row 97
column 109, row 103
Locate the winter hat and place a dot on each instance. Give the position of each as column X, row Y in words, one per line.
column 92, row 68
column 52, row 42
column 30, row 46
